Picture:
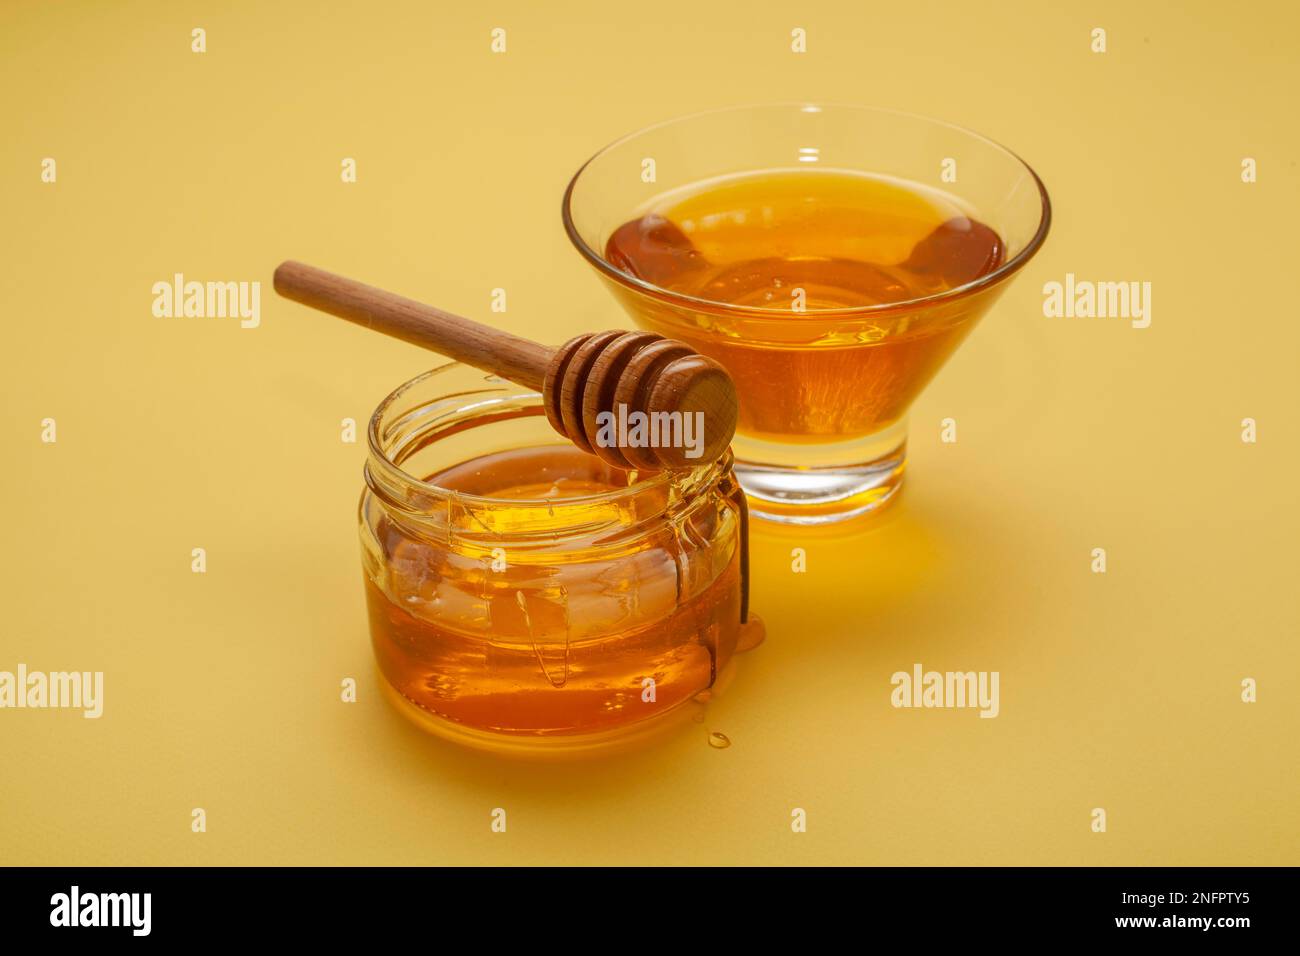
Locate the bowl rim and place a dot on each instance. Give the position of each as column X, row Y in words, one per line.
column 695, row 303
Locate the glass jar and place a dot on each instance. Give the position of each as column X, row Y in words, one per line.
column 523, row 595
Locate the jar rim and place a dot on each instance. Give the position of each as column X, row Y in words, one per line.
column 685, row 481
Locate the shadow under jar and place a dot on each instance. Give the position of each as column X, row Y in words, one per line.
column 831, row 258
column 526, row 597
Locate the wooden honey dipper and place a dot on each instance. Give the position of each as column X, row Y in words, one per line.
column 589, row 374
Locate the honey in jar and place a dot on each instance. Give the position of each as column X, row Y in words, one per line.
column 525, row 596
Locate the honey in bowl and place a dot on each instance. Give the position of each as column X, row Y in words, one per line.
column 798, row 245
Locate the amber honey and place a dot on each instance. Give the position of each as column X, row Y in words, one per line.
column 526, row 597
column 807, row 286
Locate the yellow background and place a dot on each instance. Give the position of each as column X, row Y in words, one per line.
column 1119, row 691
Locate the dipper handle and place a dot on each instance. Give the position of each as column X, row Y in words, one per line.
column 593, row 387
column 519, row 360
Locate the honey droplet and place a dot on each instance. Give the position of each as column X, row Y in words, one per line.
column 719, row 741
column 752, row 633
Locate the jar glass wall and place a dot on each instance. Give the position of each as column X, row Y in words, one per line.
column 523, row 595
